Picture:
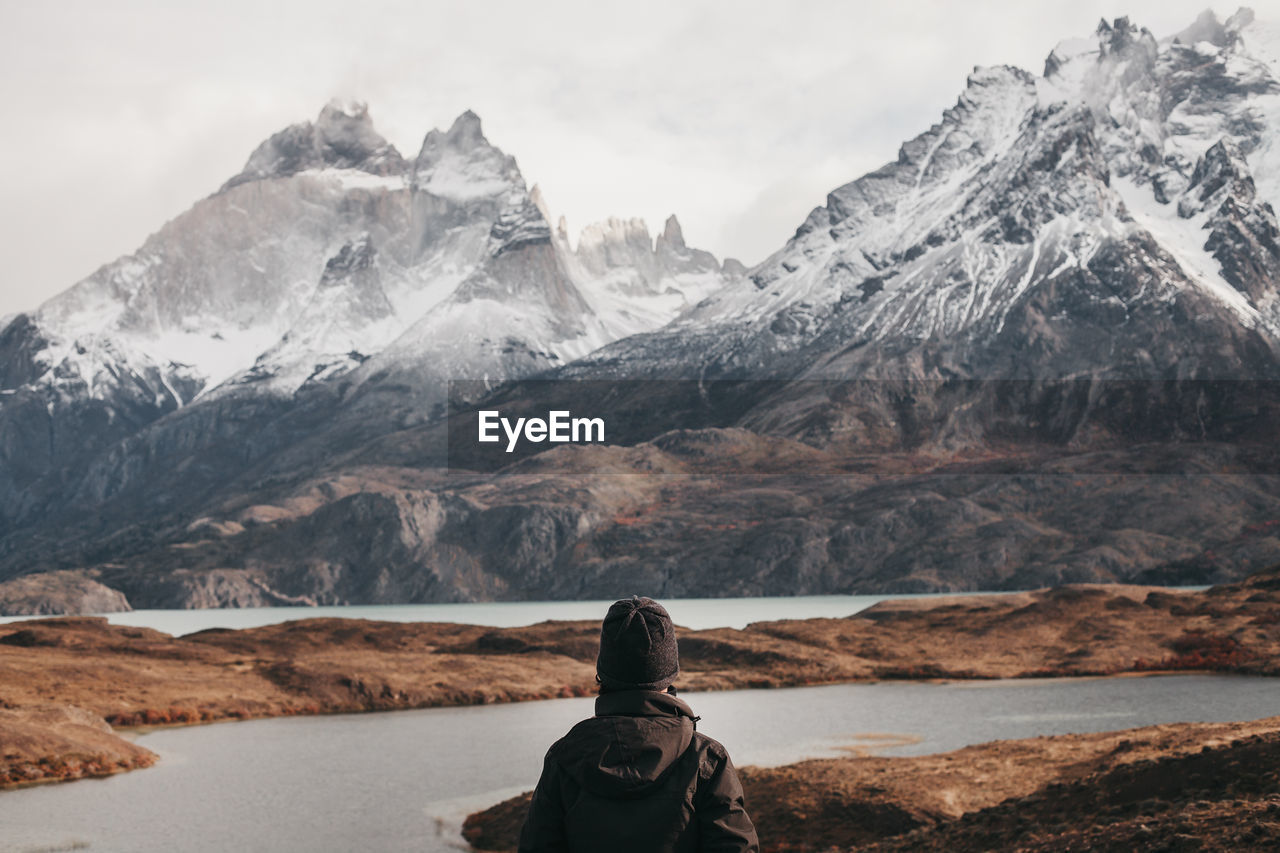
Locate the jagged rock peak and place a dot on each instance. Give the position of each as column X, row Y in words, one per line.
column 672, row 234
column 339, row 113
column 1243, row 234
column 1121, row 37
column 991, row 108
column 350, row 291
column 535, row 196
column 460, row 164
column 1118, row 40
column 341, row 137
column 466, row 131
column 1125, row 37
column 1221, row 164
column 675, row 256
column 520, row 224
column 353, row 257
column 1242, row 18
column 464, row 135
column 1207, row 28
column 614, row 230
column 616, row 243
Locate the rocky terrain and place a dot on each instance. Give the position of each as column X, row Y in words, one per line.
column 135, row 676
column 1206, row 786
column 1041, row 346
column 707, row 513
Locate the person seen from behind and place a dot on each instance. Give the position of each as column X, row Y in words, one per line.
column 638, row 777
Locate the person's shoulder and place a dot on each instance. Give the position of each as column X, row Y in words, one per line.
column 708, row 744
column 711, row 752
column 717, row 778
column 587, row 730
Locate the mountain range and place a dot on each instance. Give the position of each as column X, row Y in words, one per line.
column 1041, row 345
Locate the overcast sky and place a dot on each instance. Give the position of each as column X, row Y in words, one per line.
column 739, row 117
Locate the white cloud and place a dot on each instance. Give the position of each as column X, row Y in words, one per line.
column 738, row 118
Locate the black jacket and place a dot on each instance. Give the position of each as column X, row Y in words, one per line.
column 637, row 778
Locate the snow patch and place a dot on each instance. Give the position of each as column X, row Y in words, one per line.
column 1184, row 239
column 355, row 179
column 461, row 178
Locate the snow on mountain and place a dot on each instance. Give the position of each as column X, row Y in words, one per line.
column 329, row 258
column 460, row 165
column 341, row 138
column 349, row 315
column 1047, row 225
column 281, row 350
column 634, row 282
column 223, row 289
column 220, row 283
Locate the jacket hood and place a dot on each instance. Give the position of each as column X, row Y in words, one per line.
column 633, row 742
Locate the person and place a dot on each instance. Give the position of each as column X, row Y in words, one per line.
column 638, row 777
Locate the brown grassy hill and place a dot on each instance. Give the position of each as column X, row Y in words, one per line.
column 136, row 676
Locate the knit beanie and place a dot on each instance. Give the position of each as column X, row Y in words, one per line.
column 637, row 646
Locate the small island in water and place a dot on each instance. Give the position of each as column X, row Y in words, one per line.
column 67, row 682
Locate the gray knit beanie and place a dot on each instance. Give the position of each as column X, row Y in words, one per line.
column 637, row 646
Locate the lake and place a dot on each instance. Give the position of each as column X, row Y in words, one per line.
column 404, row 780
column 695, row 613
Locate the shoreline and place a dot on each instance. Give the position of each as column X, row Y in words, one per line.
column 1128, row 789
column 734, row 611
column 135, row 678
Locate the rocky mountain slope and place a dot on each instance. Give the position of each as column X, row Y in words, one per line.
column 322, row 297
column 1042, row 345
column 1027, row 185
column 1111, row 219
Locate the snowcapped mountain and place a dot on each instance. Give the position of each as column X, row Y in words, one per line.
column 1058, row 225
column 330, row 256
column 248, row 409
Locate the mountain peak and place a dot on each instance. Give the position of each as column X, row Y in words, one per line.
column 672, row 233
column 464, row 135
column 615, row 230
column 675, row 256
column 1207, row 28
column 1118, row 41
column 460, row 164
column 342, row 137
column 466, row 131
column 535, row 196
column 1124, row 36
column 1242, row 18
column 338, row 109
